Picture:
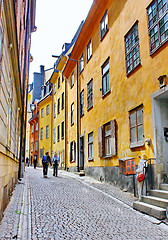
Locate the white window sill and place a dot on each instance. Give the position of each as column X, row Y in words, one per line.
column 137, row 144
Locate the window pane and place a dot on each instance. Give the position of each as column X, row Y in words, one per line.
column 133, row 135
column 90, row 155
column 104, row 85
column 90, row 138
column 105, row 68
column 132, row 120
column 108, row 142
column 108, row 81
column 139, row 116
column 140, row 133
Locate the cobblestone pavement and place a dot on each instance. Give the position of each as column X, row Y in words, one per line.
column 73, row 208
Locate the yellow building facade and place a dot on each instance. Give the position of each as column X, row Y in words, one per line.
column 116, row 106
column 10, row 104
column 58, row 120
column 45, row 119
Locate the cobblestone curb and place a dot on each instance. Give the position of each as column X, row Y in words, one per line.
column 9, row 226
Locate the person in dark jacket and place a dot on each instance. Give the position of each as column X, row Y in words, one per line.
column 55, row 161
column 45, row 161
column 35, row 161
column 27, row 162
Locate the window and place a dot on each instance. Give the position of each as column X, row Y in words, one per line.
column 82, row 103
column 54, row 137
column 105, row 78
column 104, row 24
column 62, row 130
column 81, row 63
column 47, row 89
column 62, row 156
column 36, row 127
column 72, row 113
column 89, row 50
column 157, row 24
column 132, row 49
column 41, row 152
column 58, row 133
column 31, row 146
column 72, row 156
column 41, row 133
column 47, row 109
column 32, row 128
column 62, row 103
column 47, row 131
column 72, row 79
column 90, row 94
column 62, row 77
column 136, row 127
column 58, row 106
column 54, row 110
column 90, row 146
column 42, row 92
column 36, row 145
column 42, row 112
column 59, row 82
column 107, row 139
column 55, row 88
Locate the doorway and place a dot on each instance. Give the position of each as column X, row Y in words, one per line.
column 82, row 155
column 160, row 130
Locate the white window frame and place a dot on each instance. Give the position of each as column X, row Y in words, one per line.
column 47, row 109
column 90, row 146
column 89, row 50
column 72, row 79
column 104, row 25
column 47, row 131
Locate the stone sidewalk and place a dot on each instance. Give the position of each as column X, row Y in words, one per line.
column 16, row 221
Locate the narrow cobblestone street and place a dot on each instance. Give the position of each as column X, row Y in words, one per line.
column 73, row 207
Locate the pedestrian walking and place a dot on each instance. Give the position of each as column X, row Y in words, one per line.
column 141, row 174
column 46, row 159
column 55, row 161
column 27, row 161
column 35, row 161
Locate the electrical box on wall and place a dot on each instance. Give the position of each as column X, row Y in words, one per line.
column 127, row 166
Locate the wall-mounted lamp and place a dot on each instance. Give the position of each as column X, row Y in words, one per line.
column 162, row 81
column 10, row 46
column 32, row 107
column 148, row 141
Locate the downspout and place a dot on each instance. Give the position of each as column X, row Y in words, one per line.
column 77, row 79
column 65, row 157
column 77, row 119
column 51, row 120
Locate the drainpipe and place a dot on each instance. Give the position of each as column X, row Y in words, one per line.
column 51, row 118
column 65, row 155
column 77, row 119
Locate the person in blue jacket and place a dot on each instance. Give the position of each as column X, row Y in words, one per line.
column 55, row 161
column 45, row 161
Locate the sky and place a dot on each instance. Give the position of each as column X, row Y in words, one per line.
column 57, row 22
